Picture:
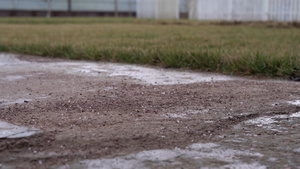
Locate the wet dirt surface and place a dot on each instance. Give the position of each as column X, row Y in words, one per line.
column 92, row 114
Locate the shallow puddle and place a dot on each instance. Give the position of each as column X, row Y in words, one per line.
column 12, row 78
column 152, row 75
column 273, row 122
column 143, row 74
column 165, row 77
column 276, row 137
column 295, row 102
column 206, row 155
column 263, row 142
column 8, row 130
column 18, row 101
column 186, row 114
column 10, row 60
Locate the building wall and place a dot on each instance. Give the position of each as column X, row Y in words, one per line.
column 146, row 8
column 167, row 9
column 159, row 9
column 245, row 10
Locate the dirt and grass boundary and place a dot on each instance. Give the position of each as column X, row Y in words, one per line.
column 247, row 48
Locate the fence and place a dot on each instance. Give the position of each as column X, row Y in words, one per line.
column 62, row 5
column 247, row 10
column 39, row 7
column 169, row 9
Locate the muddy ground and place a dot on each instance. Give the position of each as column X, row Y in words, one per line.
column 91, row 114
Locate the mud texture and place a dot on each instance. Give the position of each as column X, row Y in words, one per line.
column 90, row 117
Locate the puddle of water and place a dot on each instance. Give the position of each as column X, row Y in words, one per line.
column 165, row 77
column 267, row 121
column 207, row 155
column 93, row 68
column 297, row 150
column 198, row 111
column 10, row 60
column 261, row 121
column 19, row 101
column 8, row 130
column 173, row 115
column 295, row 102
column 187, row 114
column 110, row 88
column 272, row 122
column 295, row 115
column 12, row 78
column 276, row 137
column 42, row 97
column 147, row 75
column 150, row 75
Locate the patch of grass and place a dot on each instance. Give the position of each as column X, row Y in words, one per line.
column 208, row 46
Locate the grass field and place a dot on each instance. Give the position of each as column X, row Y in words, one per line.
column 249, row 49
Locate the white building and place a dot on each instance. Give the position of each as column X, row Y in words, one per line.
column 159, row 9
column 245, row 10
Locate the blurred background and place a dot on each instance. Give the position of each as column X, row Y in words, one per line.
column 244, row 10
column 122, row 8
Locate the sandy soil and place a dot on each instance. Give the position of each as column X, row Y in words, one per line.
column 87, row 117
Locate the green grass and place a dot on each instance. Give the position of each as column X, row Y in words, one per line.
column 208, row 46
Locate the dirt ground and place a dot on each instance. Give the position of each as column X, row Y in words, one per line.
column 88, row 117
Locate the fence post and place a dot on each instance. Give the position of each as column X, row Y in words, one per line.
column 14, row 4
column 69, row 6
column 129, row 8
column 49, row 8
column 116, row 8
column 266, row 10
column 229, row 12
column 193, row 9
